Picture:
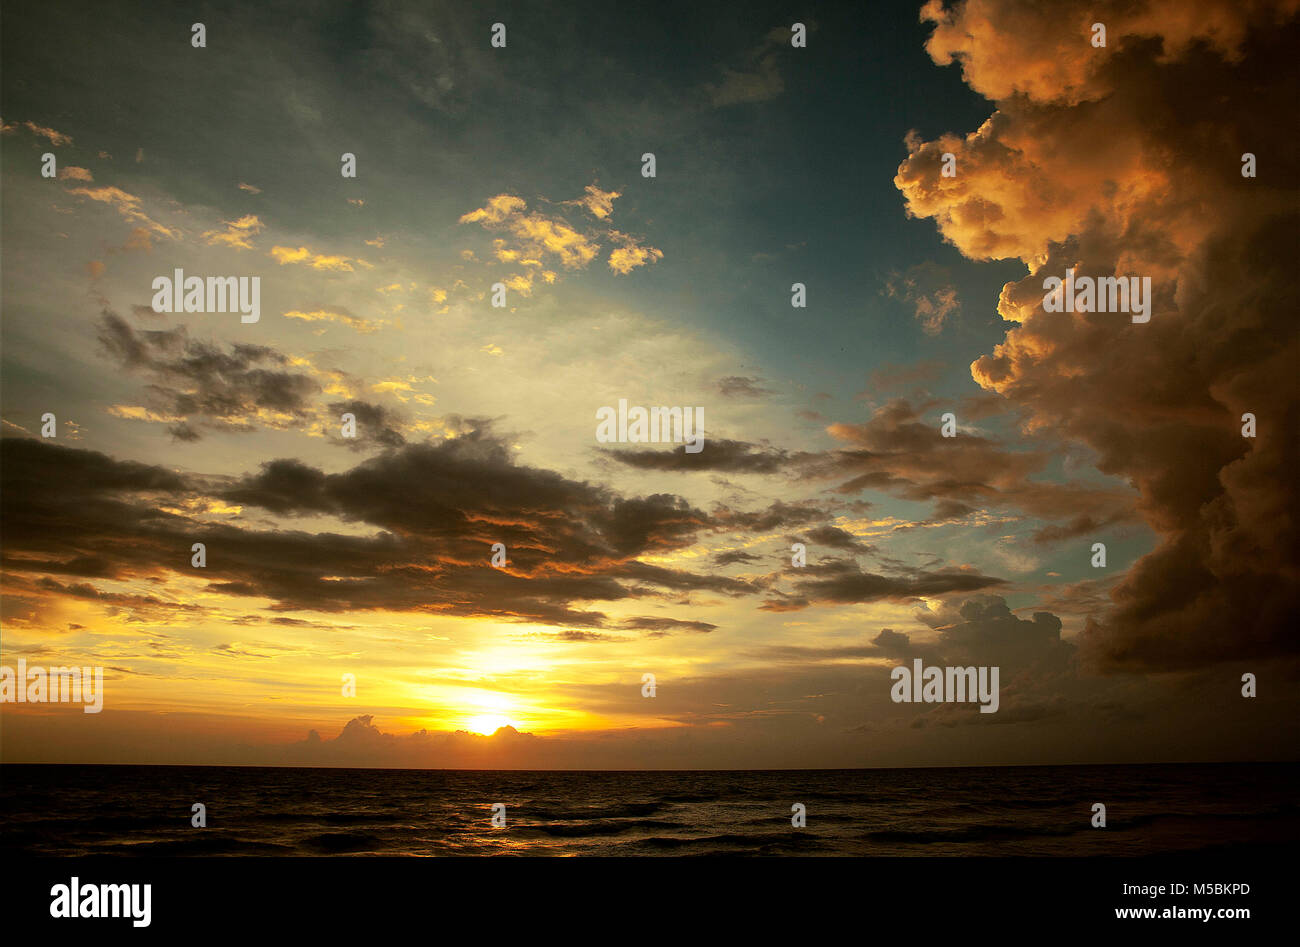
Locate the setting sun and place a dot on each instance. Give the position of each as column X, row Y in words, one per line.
column 486, row 724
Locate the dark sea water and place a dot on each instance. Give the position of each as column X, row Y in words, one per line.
column 146, row 810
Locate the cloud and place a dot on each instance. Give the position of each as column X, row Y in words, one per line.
column 628, row 257
column 842, row 583
column 79, row 512
column 835, row 538
column 361, row 742
column 497, row 210
column 731, row 557
column 536, row 232
column 434, row 509
column 758, row 78
column 1072, row 170
column 598, row 203
column 535, row 235
column 722, row 454
column 236, row 233
column 897, row 449
column 128, row 205
column 778, row 515
column 377, row 426
column 928, row 290
column 336, row 314
column 236, row 388
column 316, row 261
column 56, row 138
column 140, row 239
column 1006, row 49
column 945, row 511
column 892, row 642
column 899, row 452
column 739, row 386
column 451, row 500
column 664, row 626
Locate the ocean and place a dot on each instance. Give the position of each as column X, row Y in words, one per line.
column 65, row 810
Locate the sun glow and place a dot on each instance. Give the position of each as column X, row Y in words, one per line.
column 486, row 724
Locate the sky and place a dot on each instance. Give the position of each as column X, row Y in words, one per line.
column 522, row 166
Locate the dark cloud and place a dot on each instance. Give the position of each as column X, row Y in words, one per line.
column 376, row 425
column 901, row 450
column 210, row 386
column 892, row 642
column 740, row 386
column 733, row 556
column 909, row 454
column 574, row 635
column 946, row 511
column 718, row 454
column 1082, row 525
column 836, row 538
column 984, row 630
column 778, row 515
column 839, row 582
column 435, row 510
column 663, row 626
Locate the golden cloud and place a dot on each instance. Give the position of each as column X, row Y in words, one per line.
column 237, row 233
column 316, row 261
column 1125, row 160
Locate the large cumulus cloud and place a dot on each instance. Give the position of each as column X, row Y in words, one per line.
column 1126, row 160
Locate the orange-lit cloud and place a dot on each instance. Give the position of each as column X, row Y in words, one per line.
column 536, row 234
column 56, row 138
column 335, row 315
column 316, row 261
column 237, row 233
column 1077, row 168
column 128, row 205
column 628, row 257
column 598, row 203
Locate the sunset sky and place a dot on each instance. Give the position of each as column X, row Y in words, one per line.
column 476, row 425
